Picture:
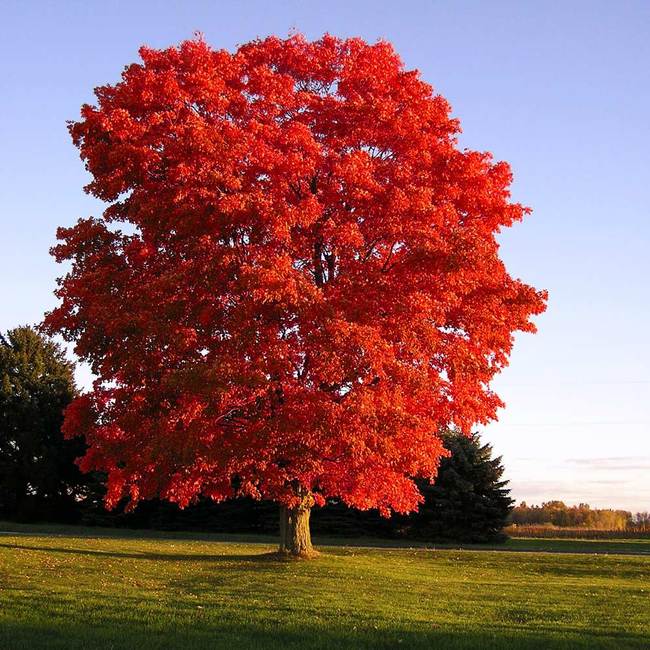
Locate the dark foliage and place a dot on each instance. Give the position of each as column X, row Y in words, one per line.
column 468, row 502
column 38, row 477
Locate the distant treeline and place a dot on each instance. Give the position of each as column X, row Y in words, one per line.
column 553, row 514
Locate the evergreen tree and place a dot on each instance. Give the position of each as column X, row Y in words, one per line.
column 468, row 501
column 38, row 477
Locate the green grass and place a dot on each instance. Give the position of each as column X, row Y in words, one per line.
column 614, row 546
column 93, row 588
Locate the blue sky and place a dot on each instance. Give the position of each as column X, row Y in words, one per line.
column 559, row 90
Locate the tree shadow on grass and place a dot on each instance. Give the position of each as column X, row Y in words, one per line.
column 87, row 532
column 270, row 556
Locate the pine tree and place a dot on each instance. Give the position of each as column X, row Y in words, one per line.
column 468, row 501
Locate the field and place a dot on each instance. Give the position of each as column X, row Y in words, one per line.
column 533, row 530
column 93, row 588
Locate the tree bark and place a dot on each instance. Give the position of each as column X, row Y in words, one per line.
column 295, row 536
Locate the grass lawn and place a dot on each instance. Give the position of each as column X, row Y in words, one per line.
column 93, row 588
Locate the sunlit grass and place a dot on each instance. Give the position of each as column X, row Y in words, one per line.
column 121, row 590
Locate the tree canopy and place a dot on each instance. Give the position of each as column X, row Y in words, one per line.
column 307, row 288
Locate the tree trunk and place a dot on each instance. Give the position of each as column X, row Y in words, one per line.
column 295, row 537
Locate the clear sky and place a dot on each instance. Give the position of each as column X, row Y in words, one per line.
column 559, row 90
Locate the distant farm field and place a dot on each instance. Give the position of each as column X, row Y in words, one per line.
column 575, row 533
column 75, row 588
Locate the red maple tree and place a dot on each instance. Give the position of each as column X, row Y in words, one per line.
column 307, row 288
